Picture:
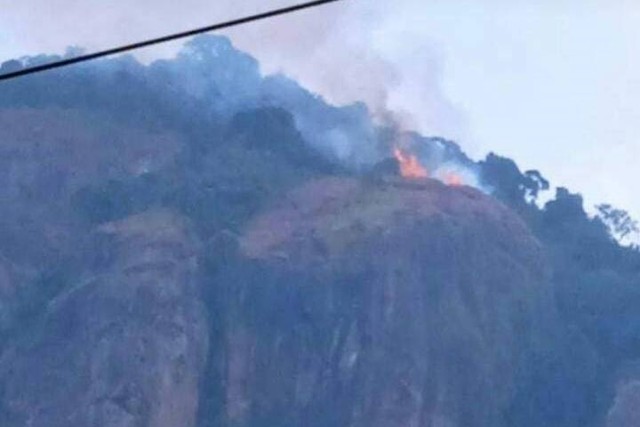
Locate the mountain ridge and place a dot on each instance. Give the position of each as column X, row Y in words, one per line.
column 204, row 145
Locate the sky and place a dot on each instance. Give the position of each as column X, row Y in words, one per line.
column 553, row 84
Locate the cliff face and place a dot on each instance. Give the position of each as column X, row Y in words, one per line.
column 8, row 289
column 125, row 347
column 350, row 302
column 377, row 304
column 625, row 409
column 365, row 301
column 49, row 158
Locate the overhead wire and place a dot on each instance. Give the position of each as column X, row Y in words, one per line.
column 138, row 45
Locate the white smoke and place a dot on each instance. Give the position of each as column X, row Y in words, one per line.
column 348, row 52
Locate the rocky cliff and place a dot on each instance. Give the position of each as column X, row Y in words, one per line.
column 348, row 303
column 124, row 347
column 190, row 243
column 386, row 303
column 625, row 410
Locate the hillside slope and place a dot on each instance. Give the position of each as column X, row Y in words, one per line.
column 192, row 243
column 386, row 303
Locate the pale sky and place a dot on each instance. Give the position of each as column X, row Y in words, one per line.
column 554, row 84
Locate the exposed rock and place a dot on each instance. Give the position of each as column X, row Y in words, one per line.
column 50, row 153
column 14, row 279
column 382, row 304
column 8, row 289
column 124, row 348
column 625, row 409
column 46, row 156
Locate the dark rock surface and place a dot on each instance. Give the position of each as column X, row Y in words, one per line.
column 625, row 409
column 152, row 274
column 377, row 304
column 125, row 347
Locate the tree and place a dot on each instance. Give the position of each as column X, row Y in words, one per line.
column 509, row 184
column 618, row 221
column 535, row 183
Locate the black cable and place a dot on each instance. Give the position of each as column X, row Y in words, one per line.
column 121, row 49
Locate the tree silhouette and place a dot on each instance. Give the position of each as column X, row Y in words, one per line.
column 619, row 222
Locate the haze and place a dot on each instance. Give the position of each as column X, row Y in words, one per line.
column 553, row 85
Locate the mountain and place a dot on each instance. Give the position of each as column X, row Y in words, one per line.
column 125, row 346
column 390, row 303
column 191, row 243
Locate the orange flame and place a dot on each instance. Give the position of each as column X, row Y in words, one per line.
column 410, row 166
column 453, row 179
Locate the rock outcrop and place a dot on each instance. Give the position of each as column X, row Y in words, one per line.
column 124, row 347
column 379, row 302
column 8, row 290
column 383, row 303
column 46, row 157
column 625, row 409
